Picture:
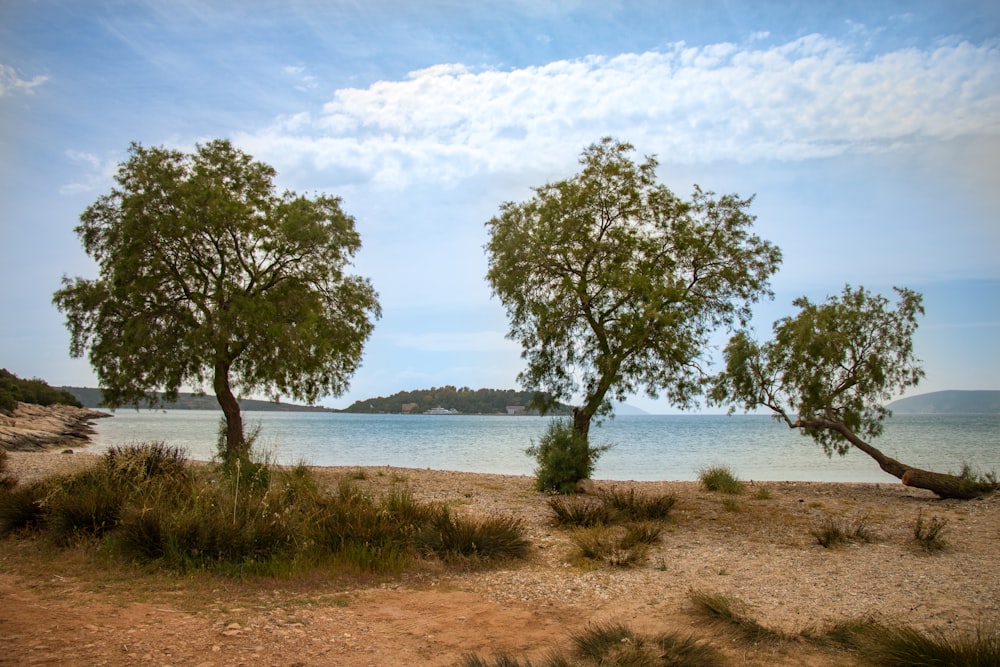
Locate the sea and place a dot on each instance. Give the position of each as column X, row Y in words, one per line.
column 642, row 447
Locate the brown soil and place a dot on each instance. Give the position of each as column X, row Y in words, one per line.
column 73, row 608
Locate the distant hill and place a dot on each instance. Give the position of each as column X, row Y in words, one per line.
column 90, row 397
column 465, row 400
column 953, row 402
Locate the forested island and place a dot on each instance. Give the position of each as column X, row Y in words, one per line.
column 465, row 400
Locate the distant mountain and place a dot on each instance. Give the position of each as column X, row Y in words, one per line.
column 953, row 402
column 626, row 409
column 90, row 397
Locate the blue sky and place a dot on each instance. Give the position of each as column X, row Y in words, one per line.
column 869, row 132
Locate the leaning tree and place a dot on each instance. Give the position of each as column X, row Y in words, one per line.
column 206, row 273
column 830, row 370
column 612, row 284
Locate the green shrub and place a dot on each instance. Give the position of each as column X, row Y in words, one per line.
column 459, row 539
column 88, row 503
column 720, row 478
column 564, row 458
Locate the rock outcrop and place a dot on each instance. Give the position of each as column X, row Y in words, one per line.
column 35, row 427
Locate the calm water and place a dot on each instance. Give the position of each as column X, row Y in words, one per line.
column 648, row 447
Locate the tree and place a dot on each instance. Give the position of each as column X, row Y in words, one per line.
column 205, row 272
column 613, row 284
column 830, row 370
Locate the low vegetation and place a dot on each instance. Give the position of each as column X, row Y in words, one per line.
column 146, row 503
column 720, row 478
column 831, row 532
column 607, row 644
column 564, row 458
column 929, row 535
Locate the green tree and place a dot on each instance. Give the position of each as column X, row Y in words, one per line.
column 830, row 370
column 613, row 284
column 205, row 273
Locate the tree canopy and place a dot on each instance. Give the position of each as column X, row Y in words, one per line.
column 830, row 370
column 205, row 272
column 612, row 284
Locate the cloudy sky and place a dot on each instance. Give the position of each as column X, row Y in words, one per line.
column 868, row 131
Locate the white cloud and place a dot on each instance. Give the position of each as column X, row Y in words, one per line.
column 11, row 82
column 810, row 98
column 97, row 173
column 454, row 342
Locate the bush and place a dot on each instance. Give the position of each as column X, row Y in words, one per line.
column 720, row 478
column 564, row 458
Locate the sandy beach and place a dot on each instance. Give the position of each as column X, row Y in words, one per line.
column 756, row 547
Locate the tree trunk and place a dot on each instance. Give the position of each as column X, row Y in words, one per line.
column 581, row 423
column 942, row 484
column 235, row 442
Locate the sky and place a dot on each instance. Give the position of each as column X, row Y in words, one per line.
column 868, row 132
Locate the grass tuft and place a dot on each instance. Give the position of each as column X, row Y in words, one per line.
column 898, row 645
column 832, row 533
column 720, row 478
column 929, row 535
column 722, row 610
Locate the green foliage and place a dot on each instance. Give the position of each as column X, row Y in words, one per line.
column 465, row 400
column 610, row 507
column 205, row 272
column 612, row 284
column 831, row 367
column 930, row 534
column 13, row 390
column 149, row 505
column 564, row 458
column 720, row 478
column 581, row 512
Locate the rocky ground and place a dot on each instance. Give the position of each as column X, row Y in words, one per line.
column 37, row 428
